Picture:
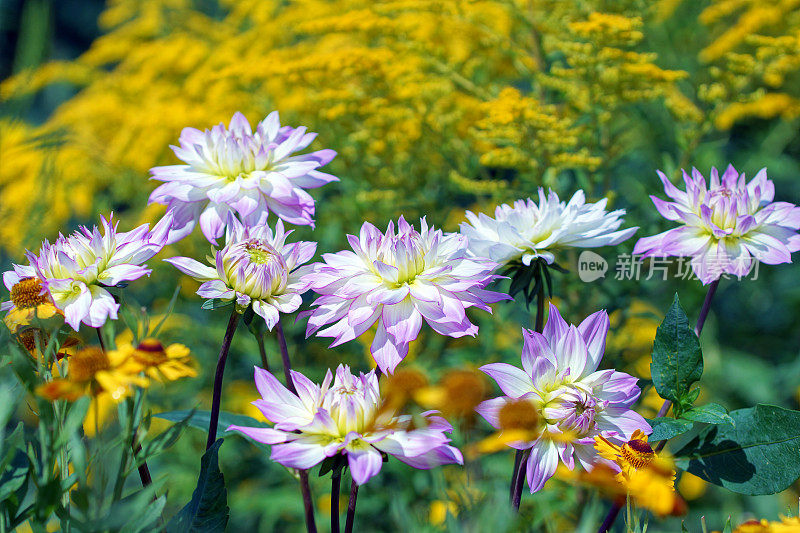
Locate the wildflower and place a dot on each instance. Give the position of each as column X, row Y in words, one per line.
column 726, row 226
column 456, row 395
column 29, row 299
column 575, row 402
column 74, row 271
column 648, row 478
column 345, row 418
column 157, row 361
column 256, row 267
column 237, row 170
column 397, row 280
column 93, row 371
column 517, row 421
column 526, row 231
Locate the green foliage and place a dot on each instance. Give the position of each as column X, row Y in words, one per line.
column 208, row 510
column 201, row 420
column 759, row 455
column 677, row 359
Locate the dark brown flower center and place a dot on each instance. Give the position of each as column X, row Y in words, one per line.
column 637, row 453
column 150, row 352
column 85, row 363
column 27, row 293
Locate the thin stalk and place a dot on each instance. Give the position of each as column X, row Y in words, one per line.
column 308, row 504
column 262, row 351
column 100, row 338
column 336, row 485
column 305, row 488
column 612, row 515
column 223, row 356
column 351, row 508
column 287, row 364
column 518, row 476
column 519, row 479
column 662, row 412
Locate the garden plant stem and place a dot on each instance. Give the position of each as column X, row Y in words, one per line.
column 305, row 488
column 518, row 476
column 351, row 508
column 223, row 356
column 701, row 320
column 336, row 483
column 262, row 352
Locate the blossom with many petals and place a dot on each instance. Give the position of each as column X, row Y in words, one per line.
column 347, row 417
column 76, row 270
column 256, row 267
column 527, row 231
column 575, row 401
column 726, row 226
column 239, row 170
column 397, row 280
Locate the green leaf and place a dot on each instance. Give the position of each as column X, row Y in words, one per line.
column 163, row 440
column 711, row 413
column 216, row 303
column 677, row 359
column 759, row 455
column 167, row 313
column 201, row 420
column 208, row 510
column 666, row 428
column 73, row 421
column 728, row 527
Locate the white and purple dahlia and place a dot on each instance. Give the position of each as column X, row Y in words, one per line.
column 397, row 280
column 527, row 231
column 726, row 226
column 349, row 418
column 256, row 266
column 575, row 401
column 241, row 171
column 76, row 270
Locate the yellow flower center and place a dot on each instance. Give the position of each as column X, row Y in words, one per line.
column 86, row 363
column 518, row 414
column 150, row 352
column 260, row 252
column 637, row 453
column 27, row 293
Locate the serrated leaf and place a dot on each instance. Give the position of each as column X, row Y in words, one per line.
column 666, row 428
column 759, row 455
column 677, row 359
column 208, row 510
column 711, row 413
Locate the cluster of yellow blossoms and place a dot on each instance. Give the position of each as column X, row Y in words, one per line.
column 753, row 59
column 110, row 376
column 422, row 99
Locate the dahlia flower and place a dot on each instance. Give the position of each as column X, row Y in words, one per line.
column 75, row 270
column 526, row 231
column 240, row 171
column 727, row 226
column 397, row 280
column 349, row 418
column 256, row 267
column 575, row 401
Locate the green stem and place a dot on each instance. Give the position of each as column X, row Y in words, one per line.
column 518, row 476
